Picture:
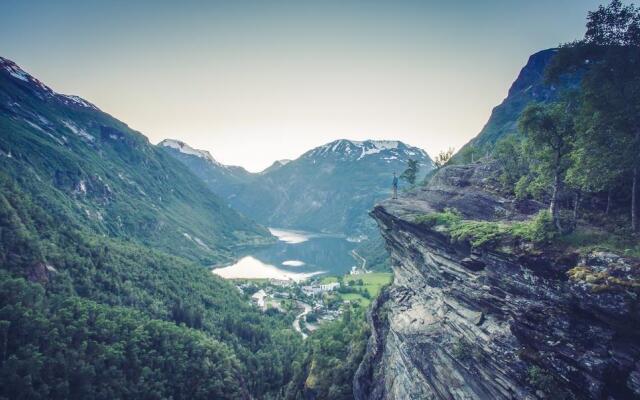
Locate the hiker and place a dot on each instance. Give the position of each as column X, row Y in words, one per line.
column 395, row 186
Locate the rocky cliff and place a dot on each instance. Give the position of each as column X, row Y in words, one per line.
column 510, row 321
column 529, row 86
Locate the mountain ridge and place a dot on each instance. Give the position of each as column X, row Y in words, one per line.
column 111, row 174
column 529, row 86
column 328, row 167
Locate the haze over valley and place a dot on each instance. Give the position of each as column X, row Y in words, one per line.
column 314, row 210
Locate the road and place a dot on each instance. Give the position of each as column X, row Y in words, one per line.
column 296, row 323
column 359, row 257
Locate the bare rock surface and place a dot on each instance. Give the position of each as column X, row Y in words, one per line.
column 467, row 323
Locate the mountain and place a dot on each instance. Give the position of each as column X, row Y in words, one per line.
column 276, row 164
column 224, row 180
column 530, row 86
column 329, row 188
column 109, row 177
column 102, row 241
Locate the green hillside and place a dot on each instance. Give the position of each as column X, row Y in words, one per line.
column 102, row 294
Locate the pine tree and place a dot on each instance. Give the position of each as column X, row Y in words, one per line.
column 411, row 172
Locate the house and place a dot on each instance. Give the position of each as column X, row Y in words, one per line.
column 259, row 298
column 329, row 286
column 319, row 289
column 281, row 282
column 311, row 290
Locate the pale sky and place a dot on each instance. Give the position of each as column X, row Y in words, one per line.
column 256, row 81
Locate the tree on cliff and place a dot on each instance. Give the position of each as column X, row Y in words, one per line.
column 550, row 132
column 411, row 172
column 443, row 158
column 609, row 57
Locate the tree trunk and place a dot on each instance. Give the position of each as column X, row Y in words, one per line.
column 576, row 205
column 634, row 201
column 606, row 211
column 553, row 207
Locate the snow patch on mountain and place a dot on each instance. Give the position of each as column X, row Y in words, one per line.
column 196, row 240
column 40, row 129
column 184, row 148
column 358, row 150
column 43, row 90
column 75, row 100
column 78, row 131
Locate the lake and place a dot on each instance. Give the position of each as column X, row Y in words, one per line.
column 297, row 255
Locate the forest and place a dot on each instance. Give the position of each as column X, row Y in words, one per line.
column 580, row 153
column 119, row 308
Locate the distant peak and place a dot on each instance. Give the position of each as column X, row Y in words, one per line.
column 184, row 148
column 359, row 149
column 44, row 91
column 276, row 165
column 18, row 73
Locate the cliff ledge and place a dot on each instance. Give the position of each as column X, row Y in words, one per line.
column 462, row 322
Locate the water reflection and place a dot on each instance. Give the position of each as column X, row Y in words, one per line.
column 297, row 255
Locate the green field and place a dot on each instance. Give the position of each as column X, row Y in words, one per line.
column 329, row 279
column 372, row 282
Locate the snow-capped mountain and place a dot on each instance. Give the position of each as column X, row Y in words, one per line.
column 184, row 148
column 89, row 170
column 330, row 188
column 354, row 150
column 41, row 90
column 224, row 180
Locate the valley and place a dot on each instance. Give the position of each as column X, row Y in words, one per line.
column 353, row 269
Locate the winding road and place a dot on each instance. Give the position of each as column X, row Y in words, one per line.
column 359, row 257
column 296, row 322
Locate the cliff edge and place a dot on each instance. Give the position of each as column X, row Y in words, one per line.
column 500, row 321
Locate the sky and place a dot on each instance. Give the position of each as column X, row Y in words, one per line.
column 257, row 81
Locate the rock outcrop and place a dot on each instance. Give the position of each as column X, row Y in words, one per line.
column 490, row 323
column 530, row 86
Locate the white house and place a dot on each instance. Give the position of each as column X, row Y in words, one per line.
column 318, row 289
column 259, row 298
column 329, row 286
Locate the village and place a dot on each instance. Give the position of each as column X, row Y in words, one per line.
column 315, row 301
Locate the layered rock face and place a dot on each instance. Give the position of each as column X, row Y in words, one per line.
column 518, row 323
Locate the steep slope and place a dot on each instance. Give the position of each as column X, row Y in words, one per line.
column 223, row 180
column 529, row 86
column 506, row 320
column 329, row 188
column 109, row 177
column 276, row 165
column 99, row 294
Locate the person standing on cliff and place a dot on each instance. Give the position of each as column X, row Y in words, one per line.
column 395, row 186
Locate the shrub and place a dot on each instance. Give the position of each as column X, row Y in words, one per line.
column 478, row 233
column 449, row 217
column 539, row 229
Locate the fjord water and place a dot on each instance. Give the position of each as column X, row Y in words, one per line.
column 297, row 255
